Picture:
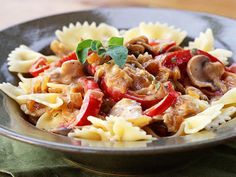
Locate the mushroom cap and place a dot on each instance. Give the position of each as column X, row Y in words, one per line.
column 204, row 73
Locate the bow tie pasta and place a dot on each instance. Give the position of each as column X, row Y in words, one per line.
column 122, row 86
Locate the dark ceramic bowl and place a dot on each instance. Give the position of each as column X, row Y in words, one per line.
column 127, row 157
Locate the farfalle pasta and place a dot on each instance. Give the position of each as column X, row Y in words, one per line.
column 156, row 31
column 111, row 85
column 21, row 59
column 71, row 35
column 205, row 41
column 113, row 128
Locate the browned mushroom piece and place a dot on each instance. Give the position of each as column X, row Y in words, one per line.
column 204, row 73
column 138, row 46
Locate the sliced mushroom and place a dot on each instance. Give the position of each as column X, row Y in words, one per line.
column 138, row 46
column 204, row 73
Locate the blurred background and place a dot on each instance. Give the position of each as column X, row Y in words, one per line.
column 16, row 11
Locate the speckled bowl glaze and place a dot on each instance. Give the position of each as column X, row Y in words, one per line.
column 113, row 157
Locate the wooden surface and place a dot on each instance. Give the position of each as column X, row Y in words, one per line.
column 16, row 11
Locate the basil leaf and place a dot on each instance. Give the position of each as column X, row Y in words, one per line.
column 84, row 44
column 82, row 50
column 82, row 55
column 115, row 41
column 95, row 45
column 118, row 54
column 101, row 51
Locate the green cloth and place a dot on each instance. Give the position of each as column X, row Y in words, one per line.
column 23, row 160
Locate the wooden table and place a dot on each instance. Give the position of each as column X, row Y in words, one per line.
column 16, row 11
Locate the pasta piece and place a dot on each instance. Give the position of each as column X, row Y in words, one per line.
column 54, row 85
column 27, row 83
column 222, row 118
column 35, row 84
column 21, row 59
column 156, row 31
column 222, row 54
column 71, row 35
column 120, row 129
column 125, row 131
column 200, row 121
column 59, row 49
column 227, row 98
column 140, row 121
column 53, row 120
column 51, row 100
column 12, row 91
column 91, row 133
column 131, row 34
column 99, row 123
column 205, row 41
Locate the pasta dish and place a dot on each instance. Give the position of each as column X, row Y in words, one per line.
column 101, row 83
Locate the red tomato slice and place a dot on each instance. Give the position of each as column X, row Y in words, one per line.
column 146, row 101
column 164, row 104
column 88, row 83
column 71, row 56
column 161, row 46
column 170, row 60
column 91, row 103
column 39, row 66
column 90, row 107
column 91, row 69
column 153, row 43
column 115, row 95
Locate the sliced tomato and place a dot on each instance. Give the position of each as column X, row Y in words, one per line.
column 153, row 43
column 88, row 83
column 170, row 60
column 115, row 95
column 146, row 101
column 71, row 56
column 91, row 69
column 39, row 66
column 90, row 107
column 91, row 103
column 161, row 47
column 164, row 104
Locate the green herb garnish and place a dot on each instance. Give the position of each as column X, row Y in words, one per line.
column 118, row 54
column 95, row 45
column 82, row 50
column 115, row 41
column 115, row 50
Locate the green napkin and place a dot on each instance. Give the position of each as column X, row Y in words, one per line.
column 23, row 160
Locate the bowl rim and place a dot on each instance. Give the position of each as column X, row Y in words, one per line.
column 116, row 151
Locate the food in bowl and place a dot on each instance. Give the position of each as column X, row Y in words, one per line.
column 114, row 85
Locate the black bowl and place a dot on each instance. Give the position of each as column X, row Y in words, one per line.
column 112, row 157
